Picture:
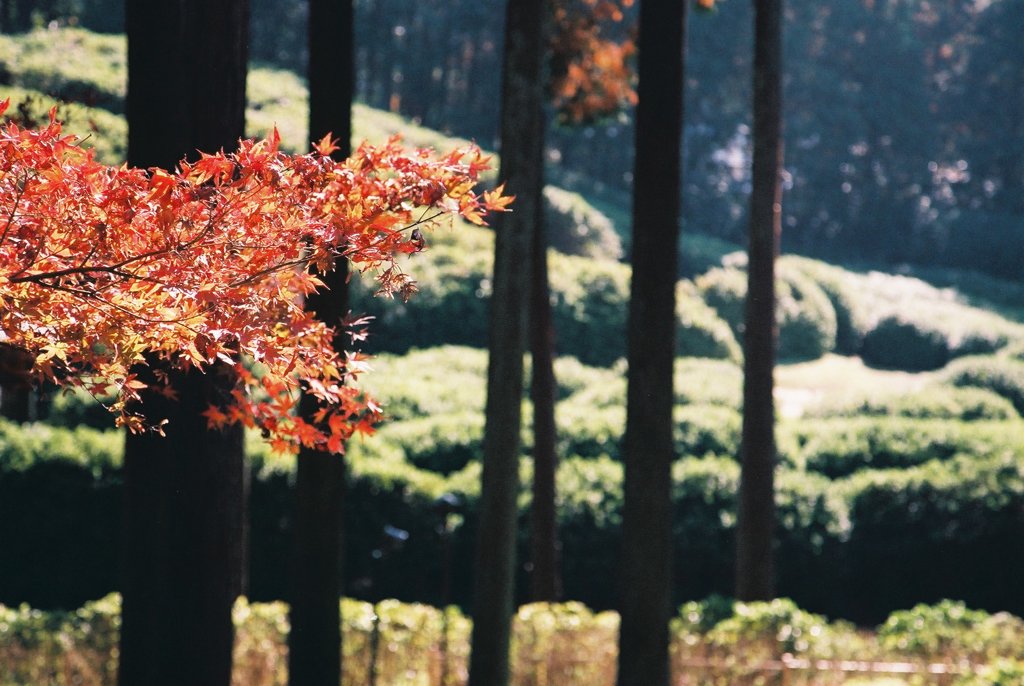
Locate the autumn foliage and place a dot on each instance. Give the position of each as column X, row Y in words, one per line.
column 103, row 269
column 591, row 74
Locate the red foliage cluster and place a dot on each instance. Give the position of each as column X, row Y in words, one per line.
column 104, row 268
column 590, row 72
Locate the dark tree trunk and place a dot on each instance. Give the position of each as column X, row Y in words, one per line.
column 648, row 448
column 755, row 535
column 185, row 519
column 545, row 579
column 314, row 641
column 521, row 136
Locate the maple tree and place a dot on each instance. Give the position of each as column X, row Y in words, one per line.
column 104, row 268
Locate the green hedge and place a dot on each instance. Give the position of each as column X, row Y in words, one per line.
column 575, row 227
column 567, row 643
column 856, row 547
column 1004, row 376
column 589, row 298
column 804, row 314
column 840, row 447
column 934, row 402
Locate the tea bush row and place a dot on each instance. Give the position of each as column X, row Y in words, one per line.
column 855, row 547
column 565, row 643
column 589, row 300
column 892, row 321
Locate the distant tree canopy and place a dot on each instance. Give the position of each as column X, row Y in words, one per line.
column 902, row 118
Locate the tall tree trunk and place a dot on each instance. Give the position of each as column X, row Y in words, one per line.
column 648, row 448
column 545, row 579
column 755, row 535
column 521, row 160
column 314, row 641
column 184, row 533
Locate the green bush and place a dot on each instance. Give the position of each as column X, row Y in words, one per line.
column 952, row 632
column 701, row 332
column 69, row 64
column 706, row 429
column 804, row 314
column 575, row 227
column 1004, row 376
column 807, row 321
column 935, row 402
column 840, row 447
column 725, row 290
column 589, row 299
column 428, row 383
column 707, row 382
column 934, row 531
column 899, row 343
column 587, row 431
column 700, row 252
column 443, row 443
column 771, row 629
column 856, row 547
column 841, row 289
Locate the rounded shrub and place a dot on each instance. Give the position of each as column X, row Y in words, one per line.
column 899, row 343
column 725, row 290
column 805, row 318
column 707, row 430
column 575, row 227
column 443, row 443
column 840, row 288
column 1004, row 376
column 587, row 431
column 840, row 447
column 701, row 332
column 707, row 382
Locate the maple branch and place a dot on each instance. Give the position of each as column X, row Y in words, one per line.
column 14, row 207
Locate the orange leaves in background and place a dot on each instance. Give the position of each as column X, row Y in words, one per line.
column 591, row 47
column 103, row 268
column 590, row 72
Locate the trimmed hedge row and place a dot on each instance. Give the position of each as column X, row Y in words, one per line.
column 563, row 643
column 856, row 547
column 589, row 299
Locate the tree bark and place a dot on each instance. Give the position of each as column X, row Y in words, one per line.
column 545, row 579
column 185, row 519
column 648, row 448
column 314, row 641
column 755, row 535
column 521, row 137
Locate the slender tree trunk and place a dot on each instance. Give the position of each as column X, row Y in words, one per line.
column 185, row 519
column 648, row 448
column 755, row 564
column 521, row 136
column 545, row 579
column 314, row 641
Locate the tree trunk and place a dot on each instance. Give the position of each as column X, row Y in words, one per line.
column 755, row 535
column 545, row 579
column 314, row 641
column 521, row 136
column 185, row 518
column 648, row 448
